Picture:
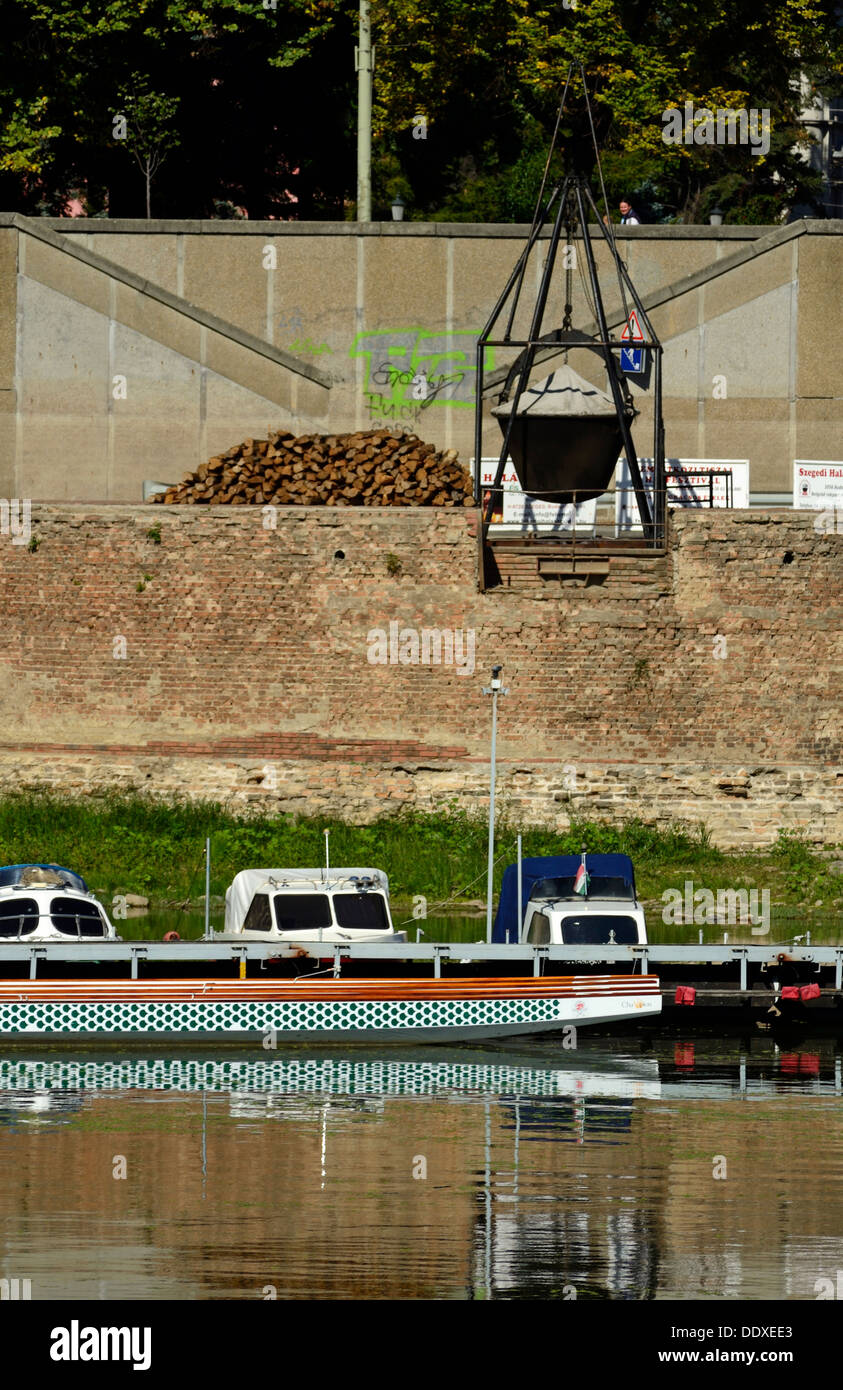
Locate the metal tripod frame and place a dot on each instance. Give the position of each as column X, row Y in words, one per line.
column 574, row 199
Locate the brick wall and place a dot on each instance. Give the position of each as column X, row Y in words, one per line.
column 246, row 671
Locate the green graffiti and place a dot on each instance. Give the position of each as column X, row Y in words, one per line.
column 308, row 347
column 411, row 368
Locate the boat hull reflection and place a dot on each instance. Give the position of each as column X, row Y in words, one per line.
column 429, row 1073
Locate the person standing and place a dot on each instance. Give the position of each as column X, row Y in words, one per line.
column 629, row 217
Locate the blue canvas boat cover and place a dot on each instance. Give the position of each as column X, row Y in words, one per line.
column 564, row 866
column 10, row 874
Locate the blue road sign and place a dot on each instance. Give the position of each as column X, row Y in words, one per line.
column 632, row 359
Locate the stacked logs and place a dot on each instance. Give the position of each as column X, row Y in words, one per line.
column 371, row 468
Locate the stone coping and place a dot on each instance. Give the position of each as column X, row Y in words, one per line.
column 518, row 231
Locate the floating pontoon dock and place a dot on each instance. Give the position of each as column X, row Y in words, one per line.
column 720, row 983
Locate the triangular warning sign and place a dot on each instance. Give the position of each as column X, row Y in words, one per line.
column 632, row 331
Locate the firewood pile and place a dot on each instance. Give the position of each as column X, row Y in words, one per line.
column 371, row 468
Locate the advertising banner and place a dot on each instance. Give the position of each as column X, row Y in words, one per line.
column 817, row 484
column 517, row 513
column 689, row 484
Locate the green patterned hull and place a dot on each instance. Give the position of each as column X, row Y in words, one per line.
column 271, row 1023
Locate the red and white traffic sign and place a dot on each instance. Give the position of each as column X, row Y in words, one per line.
column 632, row 330
column 632, row 356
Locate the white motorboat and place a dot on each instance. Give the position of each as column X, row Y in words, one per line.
column 45, row 902
column 571, row 900
column 330, row 906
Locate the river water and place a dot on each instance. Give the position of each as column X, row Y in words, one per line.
column 825, row 929
column 625, row 1169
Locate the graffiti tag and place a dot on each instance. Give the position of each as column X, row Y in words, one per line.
column 414, row 370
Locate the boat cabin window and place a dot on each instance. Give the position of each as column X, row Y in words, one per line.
column 18, row 917
column 594, row 930
column 76, row 918
column 538, row 933
column 361, row 912
column 598, row 887
column 302, row 911
column 259, row 917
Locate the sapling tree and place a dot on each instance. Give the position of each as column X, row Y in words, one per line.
column 149, row 132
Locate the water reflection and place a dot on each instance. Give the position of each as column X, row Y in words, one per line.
column 448, row 1072
column 546, row 1173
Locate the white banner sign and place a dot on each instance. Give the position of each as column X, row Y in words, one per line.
column 517, row 513
column 817, row 484
column 688, row 485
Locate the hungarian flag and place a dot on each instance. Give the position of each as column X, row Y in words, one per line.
column 581, row 880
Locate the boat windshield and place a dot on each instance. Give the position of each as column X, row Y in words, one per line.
column 19, row 917
column 361, row 911
column 73, row 917
column 598, row 887
column 595, row 930
column 302, row 911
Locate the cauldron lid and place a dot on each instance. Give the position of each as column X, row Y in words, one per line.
column 564, row 392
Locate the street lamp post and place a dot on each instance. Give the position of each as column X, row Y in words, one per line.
column 495, row 688
column 364, row 63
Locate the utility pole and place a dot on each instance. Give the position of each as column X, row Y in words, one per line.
column 495, row 688
column 364, row 60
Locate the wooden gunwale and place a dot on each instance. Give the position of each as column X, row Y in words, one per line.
column 324, row 991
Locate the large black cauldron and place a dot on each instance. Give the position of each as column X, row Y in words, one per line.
column 566, row 438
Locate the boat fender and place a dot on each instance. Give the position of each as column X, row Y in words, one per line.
column 172, row 936
column 809, row 992
column 790, row 992
column 685, row 994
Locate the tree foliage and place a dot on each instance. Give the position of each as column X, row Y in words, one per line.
column 266, row 116
column 252, row 108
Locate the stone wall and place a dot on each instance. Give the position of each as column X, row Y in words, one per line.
column 200, row 650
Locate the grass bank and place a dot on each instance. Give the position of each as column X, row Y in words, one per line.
column 130, row 844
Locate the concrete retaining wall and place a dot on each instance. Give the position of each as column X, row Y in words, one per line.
column 221, row 330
